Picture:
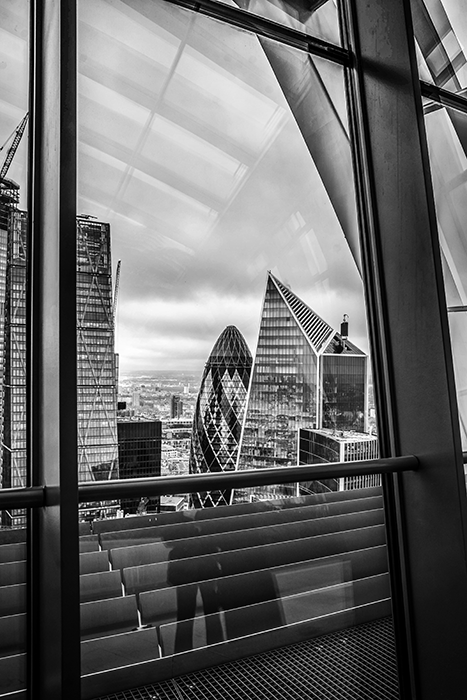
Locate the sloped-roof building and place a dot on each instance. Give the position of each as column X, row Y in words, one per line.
column 305, row 375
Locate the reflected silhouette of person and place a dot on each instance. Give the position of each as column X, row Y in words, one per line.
column 183, row 573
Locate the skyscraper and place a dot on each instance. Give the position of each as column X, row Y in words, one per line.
column 176, row 406
column 305, row 375
column 219, row 412
column 9, row 196
column 96, row 371
column 320, row 446
column 13, row 352
column 97, row 408
column 139, row 455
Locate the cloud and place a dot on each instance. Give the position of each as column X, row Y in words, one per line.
column 174, row 334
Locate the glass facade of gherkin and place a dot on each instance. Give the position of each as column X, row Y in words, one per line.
column 219, row 412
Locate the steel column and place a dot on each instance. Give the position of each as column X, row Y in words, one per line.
column 415, row 393
column 54, row 658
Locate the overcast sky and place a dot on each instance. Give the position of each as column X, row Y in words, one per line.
column 192, row 154
column 188, row 148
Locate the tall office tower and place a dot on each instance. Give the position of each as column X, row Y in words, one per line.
column 136, row 398
column 139, row 455
column 96, row 371
column 305, row 375
column 97, row 406
column 9, row 197
column 176, row 406
column 320, row 446
column 14, row 467
column 219, row 412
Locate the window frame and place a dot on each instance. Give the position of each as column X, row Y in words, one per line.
column 417, row 409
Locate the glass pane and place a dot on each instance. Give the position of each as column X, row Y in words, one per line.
column 441, row 37
column 219, row 166
column 14, row 71
column 447, row 140
column 318, row 18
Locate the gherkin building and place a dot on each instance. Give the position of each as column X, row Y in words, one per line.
column 220, row 408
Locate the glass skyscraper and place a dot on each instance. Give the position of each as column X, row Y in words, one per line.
column 97, row 399
column 321, row 446
column 9, row 195
column 305, row 375
column 219, row 412
column 13, row 352
column 97, row 416
column 139, row 456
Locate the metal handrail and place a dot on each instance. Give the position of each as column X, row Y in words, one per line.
column 34, row 497
column 101, row 490
column 26, row 497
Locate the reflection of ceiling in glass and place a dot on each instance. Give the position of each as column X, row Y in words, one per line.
column 319, row 18
column 181, row 122
column 440, row 28
column 215, row 156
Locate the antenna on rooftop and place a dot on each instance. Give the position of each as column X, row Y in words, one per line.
column 345, row 327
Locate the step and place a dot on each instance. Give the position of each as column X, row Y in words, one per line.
column 89, row 543
column 175, row 573
column 119, row 650
column 12, row 572
column 93, row 562
column 105, row 584
column 12, row 552
column 229, row 541
column 13, row 599
column 106, row 617
column 193, row 599
column 13, row 672
column 200, row 514
column 196, row 528
column 253, row 619
column 13, row 634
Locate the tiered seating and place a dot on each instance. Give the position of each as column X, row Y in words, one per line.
column 174, row 592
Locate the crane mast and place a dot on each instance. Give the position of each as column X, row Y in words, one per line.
column 117, row 283
column 18, row 134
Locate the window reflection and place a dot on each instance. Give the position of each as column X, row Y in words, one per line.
column 446, row 131
column 441, row 36
column 318, row 17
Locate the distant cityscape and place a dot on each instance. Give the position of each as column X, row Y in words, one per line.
column 150, row 396
column 304, row 397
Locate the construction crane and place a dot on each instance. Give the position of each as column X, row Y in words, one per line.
column 17, row 136
column 117, row 282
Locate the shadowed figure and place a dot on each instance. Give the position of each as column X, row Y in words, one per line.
column 193, row 559
column 184, row 571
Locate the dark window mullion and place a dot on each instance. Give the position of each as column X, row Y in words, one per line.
column 411, row 351
column 54, row 582
column 444, row 98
